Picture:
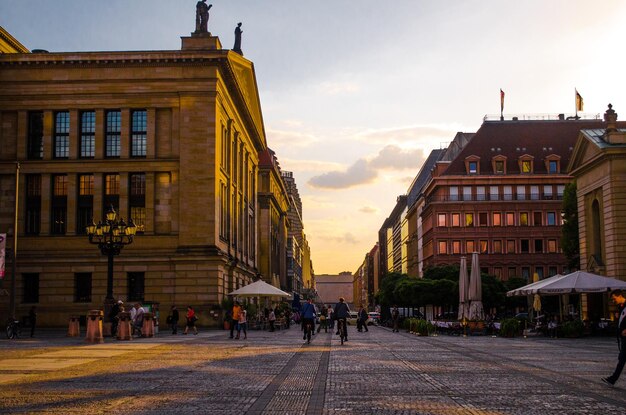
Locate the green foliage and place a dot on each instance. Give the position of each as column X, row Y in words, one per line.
column 573, row 328
column 227, row 303
column 569, row 230
column 494, row 292
column 447, row 272
column 513, row 302
column 509, row 327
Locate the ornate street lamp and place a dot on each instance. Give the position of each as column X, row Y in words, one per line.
column 111, row 236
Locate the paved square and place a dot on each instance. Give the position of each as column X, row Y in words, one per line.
column 379, row 372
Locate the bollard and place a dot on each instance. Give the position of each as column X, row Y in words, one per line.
column 147, row 329
column 73, row 329
column 94, row 327
column 124, row 329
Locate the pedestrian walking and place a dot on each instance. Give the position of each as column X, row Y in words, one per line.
column 32, row 320
column 618, row 298
column 174, row 317
column 234, row 316
column 191, row 320
column 331, row 317
column 363, row 318
column 271, row 318
column 243, row 324
column 395, row 318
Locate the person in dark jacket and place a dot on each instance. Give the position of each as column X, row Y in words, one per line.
column 618, row 298
column 113, row 318
column 363, row 318
column 174, row 317
column 341, row 313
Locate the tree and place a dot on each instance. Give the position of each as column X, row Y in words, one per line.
column 569, row 230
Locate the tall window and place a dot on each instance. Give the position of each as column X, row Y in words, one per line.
column 62, row 135
column 467, row 192
column 441, row 219
column 469, row 247
column 33, row 204
column 534, row 192
column 113, row 131
column 30, row 286
column 547, row 192
column 510, row 246
column 111, row 192
column 469, row 219
column 507, row 192
column 454, row 193
column 85, row 202
column 82, row 287
column 551, row 218
column 552, row 246
column 136, row 286
column 499, row 166
column 497, row 219
column 510, row 219
column 537, row 218
column 456, row 247
column 59, row 204
column 521, row 192
column 482, row 219
column 35, row 135
column 538, row 245
column 553, row 166
column 497, row 246
column 525, row 246
column 526, row 166
column 443, row 247
column 480, row 193
column 139, row 134
column 523, row 218
column 473, row 167
column 483, row 246
column 456, row 219
column 494, row 193
column 87, row 134
column 137, row 200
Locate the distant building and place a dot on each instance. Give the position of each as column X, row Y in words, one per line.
column 501, row 197
column 331, row 287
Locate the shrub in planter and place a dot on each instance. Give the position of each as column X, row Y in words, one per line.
column 509, row 327
column 424, row 328
column 572, row 328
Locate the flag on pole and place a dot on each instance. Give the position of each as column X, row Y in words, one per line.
column 501, row 100
column 579, row 102
column 3, row 245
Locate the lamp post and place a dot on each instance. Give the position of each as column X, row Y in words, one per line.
column 111, row 236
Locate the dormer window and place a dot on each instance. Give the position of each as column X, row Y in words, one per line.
column 472, row 165
column 498, row 163
column 526, row 164
column 553, row 164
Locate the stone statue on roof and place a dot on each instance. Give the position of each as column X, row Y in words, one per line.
column 202, row 16
column 238, row 32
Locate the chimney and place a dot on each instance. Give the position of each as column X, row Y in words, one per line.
column 613, row 135
column 561, row 117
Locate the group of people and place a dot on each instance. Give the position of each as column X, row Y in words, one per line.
column 136, row 317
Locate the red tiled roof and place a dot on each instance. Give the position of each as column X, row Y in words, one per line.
column 513, row 139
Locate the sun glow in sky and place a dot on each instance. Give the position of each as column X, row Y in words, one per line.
column 355, row 94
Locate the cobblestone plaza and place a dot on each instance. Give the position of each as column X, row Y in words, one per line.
column 378, row 372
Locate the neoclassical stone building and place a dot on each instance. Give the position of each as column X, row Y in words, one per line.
column 168, row 138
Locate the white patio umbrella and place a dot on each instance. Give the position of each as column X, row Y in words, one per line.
column 475, row 293
column 463, row 290
column 259, row 289
column 576, row 282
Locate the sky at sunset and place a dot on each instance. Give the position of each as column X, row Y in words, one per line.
column 356, row 93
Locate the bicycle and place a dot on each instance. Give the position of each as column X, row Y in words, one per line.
column 341, row 326
column 308, row 328
column 13, row 329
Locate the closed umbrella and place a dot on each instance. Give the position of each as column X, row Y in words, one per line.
column 475, row 293
column 537, row 298
column 463, row 288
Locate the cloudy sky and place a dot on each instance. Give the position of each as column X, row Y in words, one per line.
column 355, row 93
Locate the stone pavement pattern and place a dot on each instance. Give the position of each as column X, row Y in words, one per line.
column 379, row 372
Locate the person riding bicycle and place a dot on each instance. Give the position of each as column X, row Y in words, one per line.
column 308, row 317
column 341, row 313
